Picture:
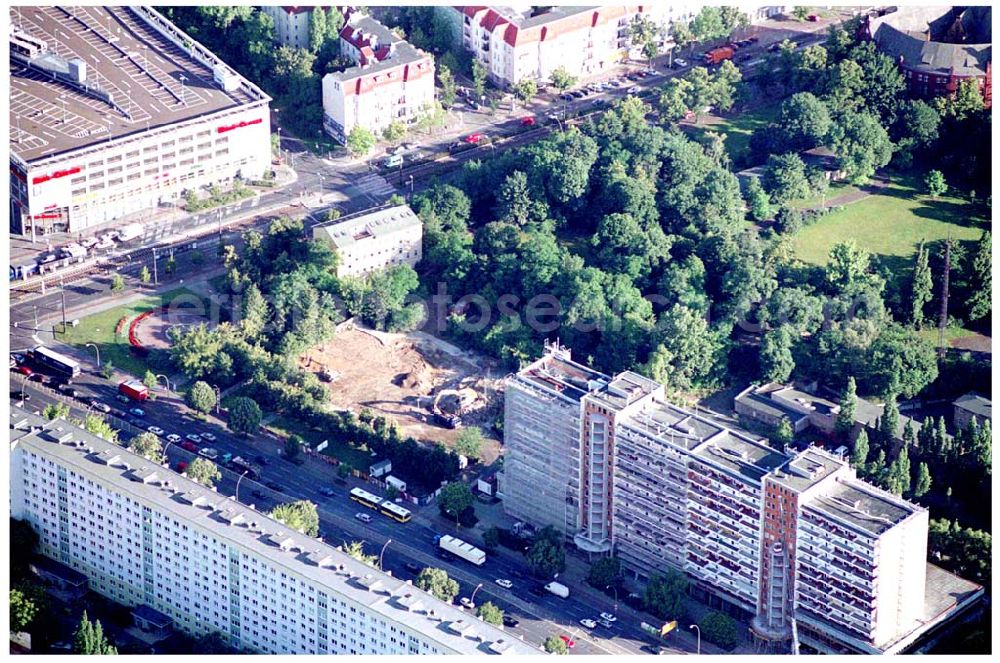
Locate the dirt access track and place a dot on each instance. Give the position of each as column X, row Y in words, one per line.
column 399, row 375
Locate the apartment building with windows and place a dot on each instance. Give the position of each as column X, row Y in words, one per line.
column 791, row 539
column 114, row 110
column 291, row 24
column 374, row 240
column 144, row 535
column 392, row 81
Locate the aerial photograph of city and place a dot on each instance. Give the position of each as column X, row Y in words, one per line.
column 613, row 330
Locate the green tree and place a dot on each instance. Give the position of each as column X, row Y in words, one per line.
column 89, row 639
column 526, row 90
column 605, row 572
column 776, row 361
column 360, row 141
column 889, row 420
column 170, row 266
column 490, row 613
column 644, row 33
column 514, row 201
column 394, row 132
column 317, row 29
column 923, row 481
column 244, row 415
column 201, row 397
column 148, row 446
column 448, row 87
column 356, row 549
column 149, row 379
column 469, row 442
column 848, row 409
column 899, row 361
column 708, row 24
column 672, row 102
column 555, row 645
column 690, row 355
column 144, row 275
column 899, row 473
column 204, row 472
column 859, row 455
column 23, row 610
column 96, row 425
column 785, row 177
column 922, row 290
column 876, row 468
column 547, row 556
column 344, row 470
column 719, row 628
column 935, row 183
column 301, row 515
column 804, row 122
column 293, row 446
column 757, row 200
column 455, row 498
column 562, row 79
column 478, row 78
column 725, row 84
column 783, row 434
column 862, row 145
column 800, row 13
column 491, row 538
column 117, row 283
column 980, row 302
column 23, row 547
column 666, row 595
column 56, row 411
column 700, row 91
column 967, row 100
column 437, row 582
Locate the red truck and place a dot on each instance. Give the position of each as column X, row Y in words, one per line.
column 134, row 389
column 717, row 55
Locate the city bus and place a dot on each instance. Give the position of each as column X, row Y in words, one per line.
column 54, row 361
column 394, row 511
column 366, row 498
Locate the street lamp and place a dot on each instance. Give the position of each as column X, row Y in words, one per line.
column 615, row 590
column 218, row 397
column 411, row 188
column 96, row 349
column 24, row 383
column 156, row 280
column 238, row 484
column 472, row 599
column 164, row 379
column 698, row 631
column 382, row 552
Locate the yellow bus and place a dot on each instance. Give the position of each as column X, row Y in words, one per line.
column 366, row 498
column 394, row 511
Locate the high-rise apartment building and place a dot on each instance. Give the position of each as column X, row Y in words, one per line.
column 144, row 535
column 793, row 540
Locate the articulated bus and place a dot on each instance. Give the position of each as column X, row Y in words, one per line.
column 394, row 511
column 366, row 498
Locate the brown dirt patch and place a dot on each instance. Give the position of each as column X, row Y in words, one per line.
column 400, row 378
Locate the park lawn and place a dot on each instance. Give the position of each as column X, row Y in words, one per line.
column 836, row 190
column 891, row 224
column 737, row 129
column 99, row 329
column 339, row 449
column 950, row 334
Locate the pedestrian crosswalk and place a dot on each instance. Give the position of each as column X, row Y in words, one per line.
column 374, row 186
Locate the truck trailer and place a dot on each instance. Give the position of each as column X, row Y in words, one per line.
column 559, row 589
column 717, row 55
column 134, row 389
column 460, row 548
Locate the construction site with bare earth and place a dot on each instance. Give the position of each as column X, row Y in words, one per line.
column 429, row 387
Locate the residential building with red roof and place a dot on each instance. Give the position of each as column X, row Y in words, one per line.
column 392, row 81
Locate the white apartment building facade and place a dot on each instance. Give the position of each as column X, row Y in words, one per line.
column 392, row 81
column 374, row 240
column 291, row 24
column 103, row 141
column 144, row 535
column 776, row 535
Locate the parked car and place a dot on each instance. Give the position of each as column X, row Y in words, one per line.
column 578, row 94
column 137, row 411
column 363, row 517
column 17, row 394
column 101, row 407
column 17, row 357
column 326, row 492
column 208, row 436
column 24, row 370
column 173, row 437
column 605, row 623
column 635, row 89
column 510, row 622
column 121, row 398
column 568, row 640
column 589, row 623
column 503, row 582
column 813, row 18
column 467, row 602
column 607, row 616
column 193, row 437
column 566, row 96
column 155, row 430
column 599, row 102
column 528, row 121
column 475, row 138
column 680, row 63
column 189, row 446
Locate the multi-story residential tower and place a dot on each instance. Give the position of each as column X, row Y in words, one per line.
column 392, row 81
column 291, row 24
column 791, row 539
column 373, row 240
column 144, row 535
column 113, row 110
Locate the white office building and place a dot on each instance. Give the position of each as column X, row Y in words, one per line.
column 375, row 239
column 145, row 535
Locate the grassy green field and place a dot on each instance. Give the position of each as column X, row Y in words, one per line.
column 337, row 448
column 99, row 329
column 737, row 129
column 891, row 224
column 836, row 190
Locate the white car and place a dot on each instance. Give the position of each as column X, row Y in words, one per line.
column 193, row 438
column 363, row 517
column 173, row 437
column 503, row 582
column 608, row 617
column 208, row 436
column 635, row 89
column 467, row 602
column 680, row 63
column 155, row 430
column 589, row 623
column 101, row 407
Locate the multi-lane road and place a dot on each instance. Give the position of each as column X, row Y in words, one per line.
column 411, row 543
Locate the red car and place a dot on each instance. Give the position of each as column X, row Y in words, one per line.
column 569, row 641
column 813, row 18
column 190, row 446
column 475, row 139
column 24, row 370
column 527, row 121
column 181, row 466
